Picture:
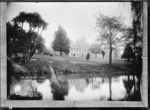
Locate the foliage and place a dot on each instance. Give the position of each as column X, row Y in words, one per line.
column 38, row 68
column 95, row 48
column 137, row 7
column 110, row 30
column 129, row 35
column 61, row 42
column 34, row 21
column 41, row 48
column 21, row 40
column 13, row 32
column 82, row 42
column 128, row 53
column 14, row 73
column 59, row 92
column 103, row 53
column 88, row 56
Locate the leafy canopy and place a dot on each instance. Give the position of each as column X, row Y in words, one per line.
column 95, row 48
column 128, row 52
column 110, row 30
column 61, row 42
column 26, row 42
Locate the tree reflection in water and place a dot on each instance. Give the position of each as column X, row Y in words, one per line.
column 103, row 88
column 110, row 89
column 59, row 91
column 129, row 84
column 80, row 85
column 96, row 83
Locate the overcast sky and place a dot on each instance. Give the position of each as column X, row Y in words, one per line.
column 77, row 18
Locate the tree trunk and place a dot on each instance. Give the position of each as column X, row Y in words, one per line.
column 27, row 56
column 110, row 52
column 134, row 43
column 110, row 57
column 110, row 89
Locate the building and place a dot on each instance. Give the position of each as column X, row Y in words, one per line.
column 78, row 51
column 81, row 51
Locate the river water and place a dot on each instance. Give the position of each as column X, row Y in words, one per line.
column 70, row 87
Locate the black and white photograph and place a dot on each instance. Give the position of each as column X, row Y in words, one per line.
column 76, row 51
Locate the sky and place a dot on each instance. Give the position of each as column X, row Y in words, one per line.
column 76, row 18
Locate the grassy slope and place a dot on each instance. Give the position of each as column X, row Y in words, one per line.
column 67, row 65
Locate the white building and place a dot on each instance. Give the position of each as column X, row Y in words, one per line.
column 78, row 51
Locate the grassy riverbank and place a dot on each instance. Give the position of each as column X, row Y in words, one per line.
column 63, row 65
column 76, row 65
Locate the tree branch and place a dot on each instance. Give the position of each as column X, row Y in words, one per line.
column 118, row 46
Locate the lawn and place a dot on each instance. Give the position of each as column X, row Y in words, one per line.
column 73, row 65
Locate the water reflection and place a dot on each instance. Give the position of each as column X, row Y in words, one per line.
column 132, row 88
column 93, row 88
column 98, row 88
column 59, row 90
column 31, row 89
column 110, row 89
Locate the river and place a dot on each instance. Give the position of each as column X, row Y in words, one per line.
column 74, row 87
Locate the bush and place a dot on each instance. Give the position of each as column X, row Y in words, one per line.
column 128, row 53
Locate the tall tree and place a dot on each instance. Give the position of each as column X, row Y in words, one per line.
column 110, row 32
column 136, row 7
column 25, row 41
column 61, row 42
